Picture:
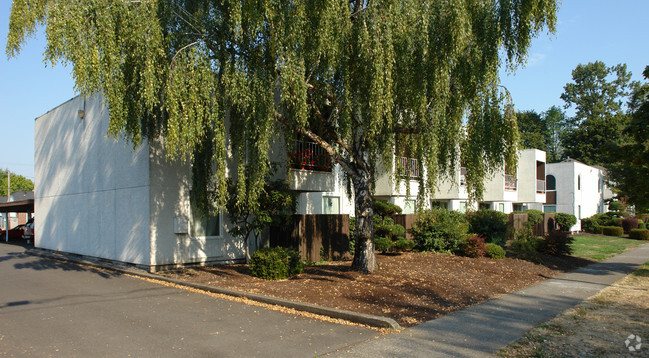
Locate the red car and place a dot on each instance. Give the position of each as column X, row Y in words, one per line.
column 15, row 233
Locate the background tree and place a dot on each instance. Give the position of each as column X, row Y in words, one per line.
column 556, row 124
column 629, row 172
column 597, row 93
column 348, row 75
column 533, row 130
column 18, row 183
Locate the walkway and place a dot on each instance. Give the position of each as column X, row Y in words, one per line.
column 483, row 329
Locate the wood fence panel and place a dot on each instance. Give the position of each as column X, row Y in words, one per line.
column 405, row 220
column 313, row 235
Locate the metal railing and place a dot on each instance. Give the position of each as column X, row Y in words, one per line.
column 407, row 167
column 540, row 186
column 510, row 182
column 310, row 156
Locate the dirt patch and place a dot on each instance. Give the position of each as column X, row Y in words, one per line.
column 598, row 327
column 410, row 288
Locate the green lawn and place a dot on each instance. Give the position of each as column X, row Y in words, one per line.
column 602, row 247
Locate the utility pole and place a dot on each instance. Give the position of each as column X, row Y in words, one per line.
column 8, row 200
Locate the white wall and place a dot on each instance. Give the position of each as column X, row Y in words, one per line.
column 91, row 192
column 578, row 190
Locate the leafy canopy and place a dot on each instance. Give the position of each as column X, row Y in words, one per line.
column 18, row 183
column 346, row 74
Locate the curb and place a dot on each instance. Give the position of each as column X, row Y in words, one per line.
column 360, row 318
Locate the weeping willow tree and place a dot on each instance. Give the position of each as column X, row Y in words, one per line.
column 363, row 79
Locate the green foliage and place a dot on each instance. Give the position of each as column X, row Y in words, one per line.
column 494, row 251
column 525, row 245
column 533, row 130
column 385, row 227
column 628, row 224
column 556, row 243
column 275, row 263
column 534, row 216
column 383, row 244
column 639, row 234
column 591, row 225
column 490, row 224
column 352, row 238
column 439, row 230
column 349, row 76
column 18, row 183
column 473, row 246
column 612, row 231
column 403, row 245
column 275, row 203
column 385, row 208
column 565, row 221
column 616, row 206
column 641, row 225
column 599, row 118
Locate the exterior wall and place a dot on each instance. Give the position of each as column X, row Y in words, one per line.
column 170, row 224
column 91, row 192
column 314, row 202
column 578, row 189
column 527, row 176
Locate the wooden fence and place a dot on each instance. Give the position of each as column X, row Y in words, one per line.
column 517, row 221
column 405, row 220
column 315, row 237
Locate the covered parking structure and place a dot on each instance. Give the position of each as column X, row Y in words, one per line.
column 20, row 206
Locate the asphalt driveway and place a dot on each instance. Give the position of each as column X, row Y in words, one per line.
column 51, row 308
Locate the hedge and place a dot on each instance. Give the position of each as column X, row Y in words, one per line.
column 639, row 234
column 612, row 231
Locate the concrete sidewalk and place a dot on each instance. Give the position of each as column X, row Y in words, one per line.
column 483, row 329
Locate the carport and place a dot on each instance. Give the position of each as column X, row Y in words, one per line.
column 20, row 206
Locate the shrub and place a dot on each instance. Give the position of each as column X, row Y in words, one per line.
column 612, row 231
column 490, row 224
column 525, row 244
column 644, row 217
column 639, row 234
column 385, row 208
column 641, row 225
column 382, row 244
column 534, row 216
column 473, row 246
column 275, row 263
column 556, row 243
column 590, row 225
column 628, row 224
column 494, row 251
column 385, row 227
column 439, row 230
column 616, row 206
column 565, row 221
column 403, row 245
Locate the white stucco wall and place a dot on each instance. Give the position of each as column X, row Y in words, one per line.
column 526, row 173
column 91, row 192
column 578, row 189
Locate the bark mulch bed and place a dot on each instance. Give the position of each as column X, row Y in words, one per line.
column 410, row 287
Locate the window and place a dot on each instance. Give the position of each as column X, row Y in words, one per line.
column 518, row 207
column 409, row 206
column 578, row 182
column 330, row 205
column 202, row 226
column 484, row 206
column 501, row 207
column 550, row 183
column 463, row 206
column 550, row 208
column 439, row 204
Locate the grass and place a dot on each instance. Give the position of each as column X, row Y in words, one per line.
column 602, row 247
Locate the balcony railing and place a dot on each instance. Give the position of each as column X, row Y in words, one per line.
column 407, row 167
column 540, row 186
column 462, row 176
column 310, row 156
column 510, row 182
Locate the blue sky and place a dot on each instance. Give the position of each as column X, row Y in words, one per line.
column 588, row 30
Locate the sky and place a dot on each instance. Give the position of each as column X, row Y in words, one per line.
column 588, row 30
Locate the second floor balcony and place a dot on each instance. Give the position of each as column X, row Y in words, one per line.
column 510, row 182
column 407, row 167
column 310, row 156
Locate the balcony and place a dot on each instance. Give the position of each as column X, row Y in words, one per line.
column 462, row 176
column 407, row 167
column 540, row 186
column 510, row 182
column 310, row 156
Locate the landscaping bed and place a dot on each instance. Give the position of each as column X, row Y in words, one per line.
column 410, row 287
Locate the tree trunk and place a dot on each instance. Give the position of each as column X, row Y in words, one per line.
column 364, row 255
